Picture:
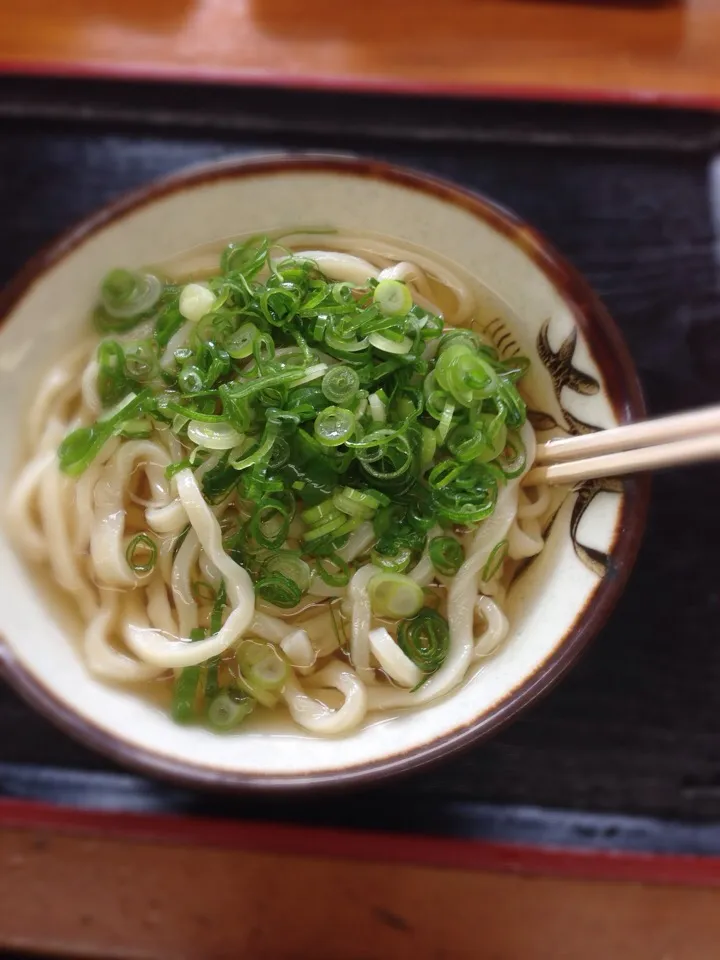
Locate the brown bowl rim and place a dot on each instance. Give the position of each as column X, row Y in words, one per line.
column 623, row 389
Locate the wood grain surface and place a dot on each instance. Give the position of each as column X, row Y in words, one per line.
column 97, row 897
column 646, row 51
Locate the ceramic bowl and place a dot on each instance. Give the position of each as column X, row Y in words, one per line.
column 582, row 379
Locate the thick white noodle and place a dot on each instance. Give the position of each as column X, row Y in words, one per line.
column 171, row 443
column 396, row 664
column 359, row 542
column 409, row 273
column 299, row 651
column 208, row 571
column 423, row 573
column 360, row 619
column 532, row 509
column 170, row 518
column 59, row 386
column 57, row 493
column 318, row 717
column 107, row 542
column 26, row 532
column 102, row 657
column 212, row 461
column 90, row 395
column 322, row 632
column 525, row 539
column 151, row 645
column 181, row 579
column 318, row 588
column 496, row 627
column 272, row 629
column 176, row 341
column 385, row 253
column 84, row 510
column 340, row 266
column 159, row 610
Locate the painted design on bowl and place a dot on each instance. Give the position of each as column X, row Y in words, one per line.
column 563, row 373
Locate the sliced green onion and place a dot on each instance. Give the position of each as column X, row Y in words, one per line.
column 513, row 458
column 324, row 529
column 139, row 429
column 341, row 345
column 214, row 436
column 425, row 639
column 378, row 409
column 269, row 671
column 351, row 523
column 279, row 590
column 196, row 300
column 395, row 563
column 372, row 499
column 212, row 681
column 260, row 454
column 125, row 294
column 445, row 420
column 191, row 380
column 337, row 577
column 400, row 347
column 494, row 433
column 312, row 373
column 241, row 343
column 141, row 362
column 203, row 591
column 390, row 460
column 351, row 507
column 141, row 553
column 429, row 446
column 333, row 426
column 219, row 605
column 246, row 258
column 112, row 382
column 185, row 689
column 79, row 448
column 494, row 561
column 320, row 513
column 392, row 298
column 290, row 566
column 271, row 520
column 184, row 696
column 340, row 384
column 446, row 555
column 263, row 671
column 227, row 710
column 394, row 595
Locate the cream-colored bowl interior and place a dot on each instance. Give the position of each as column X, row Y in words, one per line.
column 53, row 313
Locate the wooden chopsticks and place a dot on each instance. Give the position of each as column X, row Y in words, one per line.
column 665, row 442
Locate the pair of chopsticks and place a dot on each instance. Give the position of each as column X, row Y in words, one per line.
column 666, row 442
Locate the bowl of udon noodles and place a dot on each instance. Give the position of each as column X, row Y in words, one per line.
column 266, row 430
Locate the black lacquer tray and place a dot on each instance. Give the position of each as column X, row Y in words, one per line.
column 625, row 752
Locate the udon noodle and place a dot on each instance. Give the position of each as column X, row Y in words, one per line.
column 208, row 558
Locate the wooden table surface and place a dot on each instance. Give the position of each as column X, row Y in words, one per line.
column 84, row 895
column 648, row 51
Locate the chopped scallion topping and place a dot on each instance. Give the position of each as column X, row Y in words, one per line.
column 141, row 553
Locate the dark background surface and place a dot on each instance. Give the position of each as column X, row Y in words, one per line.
column 634, row 730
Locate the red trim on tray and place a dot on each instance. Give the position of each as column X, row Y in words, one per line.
column 557, row 93
column 321, row 842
